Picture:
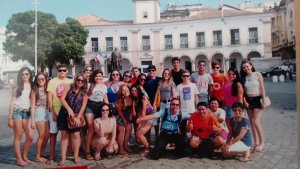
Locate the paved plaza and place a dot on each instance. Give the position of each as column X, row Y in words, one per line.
column 279, row 124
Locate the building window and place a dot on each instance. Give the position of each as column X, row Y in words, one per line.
column 124, row 46
column 144, row 66
column 200, row 39
column 168, row 42
column 184, row 40
column 235, row 36
column 146, row 42
column 95, row 45
column 145, row 15
column 109, row 44
column 217, row 38
column 253, row 35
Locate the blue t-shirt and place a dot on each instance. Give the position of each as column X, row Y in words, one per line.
column 171, row 125
column 236, row 128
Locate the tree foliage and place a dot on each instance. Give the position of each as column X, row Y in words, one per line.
column 20, row 36
column 56, row 42
column 70, row 38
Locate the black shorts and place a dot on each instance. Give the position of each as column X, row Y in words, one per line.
column 254, row 102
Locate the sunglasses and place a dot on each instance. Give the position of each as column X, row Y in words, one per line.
column 80, row 80
column 105, row 109
column 25, row 74
column 185, row 75
column 201, row 65
column 115, row 74
column 62, row 70
column 142, row 79
column 41, row 79
column 127, row 75
column 173, row 104
column 88, row 70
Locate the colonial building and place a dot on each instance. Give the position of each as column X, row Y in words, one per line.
column 191, row 32
column 283, row 31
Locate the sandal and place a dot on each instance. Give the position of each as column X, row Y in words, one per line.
column 50, row 160
column 244, row 159
column 88, row 156
column 61, row 163
column 145, row 153
column 77, row 160
column 41, row 160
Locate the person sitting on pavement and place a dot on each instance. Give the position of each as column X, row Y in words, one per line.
column 170, row 131
column 205, row 129
column 239, row 137
column 105, row 133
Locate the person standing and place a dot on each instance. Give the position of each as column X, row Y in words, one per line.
column 188, row 94
column 254, row 97
column 176, row 71
column 39, row 114
column 74, row 101
column 203, row 81
column 55, row 89
column 219, row 80
column 135, row 74
column 19, row 115
column 151, row 86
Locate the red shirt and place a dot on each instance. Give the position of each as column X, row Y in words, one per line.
column 218, row 91
column 133, row 80
column 202, row 127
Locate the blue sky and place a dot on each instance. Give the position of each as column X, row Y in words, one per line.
column 108, row 9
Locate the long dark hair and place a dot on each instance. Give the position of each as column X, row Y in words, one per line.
column 36, row 86
column 82, row 90
column 234, row 88
column 20, row 82
column 111, row 75
column 242, row 73
column 92, row 80
column 138, row 83
column 139, row 99
column 110, row 114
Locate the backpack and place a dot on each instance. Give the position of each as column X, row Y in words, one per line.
column 165, row 124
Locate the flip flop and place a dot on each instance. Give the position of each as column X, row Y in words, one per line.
column 41, row 160
column 22, row 164
column 88, row 156
column 145, row 153
column 243, row 159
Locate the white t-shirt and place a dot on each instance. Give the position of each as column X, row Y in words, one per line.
column 98, row 93
column 220, row 113
column 187, row 93
column 202, row 82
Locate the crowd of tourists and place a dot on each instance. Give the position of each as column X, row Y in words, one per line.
column 201, row 112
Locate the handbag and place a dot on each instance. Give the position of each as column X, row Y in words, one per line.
column 267, row 101
column 72, row 125
column 71, row 121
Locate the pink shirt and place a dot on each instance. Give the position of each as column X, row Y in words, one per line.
column 228, row 98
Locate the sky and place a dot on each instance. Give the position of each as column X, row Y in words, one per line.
column 107, row 9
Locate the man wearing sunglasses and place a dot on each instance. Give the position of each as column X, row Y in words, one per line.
column 55, row 88
column 170, row 129
column 203, row 81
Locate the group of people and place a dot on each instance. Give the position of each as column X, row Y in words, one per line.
column 209, row 106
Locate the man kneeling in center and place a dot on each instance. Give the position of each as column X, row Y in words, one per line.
column 170, row 132
column 205, row 130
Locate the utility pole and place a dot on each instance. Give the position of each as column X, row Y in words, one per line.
column 35, row 40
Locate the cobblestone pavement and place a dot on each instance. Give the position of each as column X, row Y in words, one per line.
column 279, row 124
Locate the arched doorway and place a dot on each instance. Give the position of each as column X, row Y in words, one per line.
column 253, row 54
column 235, row 60
column 185, row 63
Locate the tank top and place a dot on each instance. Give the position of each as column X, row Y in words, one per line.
column 42, row 100
column 23, row 101
column 112, row 92
column 228, row 98
column 252, row 84
column 74, row 104
column 166, row 91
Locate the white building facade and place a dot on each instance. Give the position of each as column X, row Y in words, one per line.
column 226, row 35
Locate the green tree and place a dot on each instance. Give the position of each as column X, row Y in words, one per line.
column 20, row 35
column 70, row 38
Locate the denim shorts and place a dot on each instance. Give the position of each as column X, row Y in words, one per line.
column 20, row 114
column 229, row 112
column 41, row 114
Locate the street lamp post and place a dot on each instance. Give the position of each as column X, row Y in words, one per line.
column 35, row 39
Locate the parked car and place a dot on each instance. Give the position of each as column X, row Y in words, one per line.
column 272, row 71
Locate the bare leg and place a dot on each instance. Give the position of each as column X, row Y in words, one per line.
column 52, row 144
column 100, row 144
column 64, row 146
column 141, row 135
column 46, row 138
column 258, row 128
column 253, row 129
column 120, row 139
column 89, row 137
column 29, row 138
column 18, row 131
column 76, row 144
column 127, row 137
column 41, row 131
